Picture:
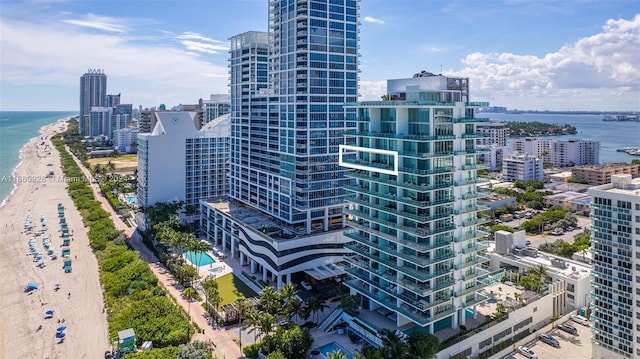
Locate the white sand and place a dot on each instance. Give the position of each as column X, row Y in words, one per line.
column 20, row 313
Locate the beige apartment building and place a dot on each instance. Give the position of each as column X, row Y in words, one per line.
column 598, row 175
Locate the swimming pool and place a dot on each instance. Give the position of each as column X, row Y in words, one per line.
column 132, row 199
column 200, row 258
column 331, row 347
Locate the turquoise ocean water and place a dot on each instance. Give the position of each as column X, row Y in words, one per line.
column 16, row 129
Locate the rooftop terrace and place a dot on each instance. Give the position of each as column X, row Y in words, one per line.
column 274, row 228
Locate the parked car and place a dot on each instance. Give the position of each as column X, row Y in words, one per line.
column 528, row 242
column 527, row 352
column 569, row 229
column 580, row 320
column 547, row 338
column 568, row 328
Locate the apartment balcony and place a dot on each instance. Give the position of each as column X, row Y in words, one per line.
column 466, row 236
column 477, row 166
column 418, row 274
column 364, row 290
column 363, row 249
column 471, row 151
column 420, row 247
column 422, row 155
column 472, row 222
column 432, row 171
column 466, row 264
column 474, row 180
column 393, row 210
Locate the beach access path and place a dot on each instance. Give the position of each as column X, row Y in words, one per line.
column 24, row 332
column 224, row 346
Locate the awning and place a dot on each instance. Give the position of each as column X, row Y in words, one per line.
column 325, row 272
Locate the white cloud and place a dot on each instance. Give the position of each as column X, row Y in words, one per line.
column 372, row 90
column 98, row 22
column 373, row 20
column 579, row 75
column 54, row 54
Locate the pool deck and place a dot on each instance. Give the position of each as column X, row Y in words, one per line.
column 216, row 269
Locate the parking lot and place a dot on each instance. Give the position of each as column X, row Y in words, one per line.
column 571, row 346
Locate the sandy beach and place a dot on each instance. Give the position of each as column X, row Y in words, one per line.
column 24, row 331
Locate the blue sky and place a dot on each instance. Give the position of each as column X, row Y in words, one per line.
column 525, row 54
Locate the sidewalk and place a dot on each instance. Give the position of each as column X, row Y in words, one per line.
column 224, row 346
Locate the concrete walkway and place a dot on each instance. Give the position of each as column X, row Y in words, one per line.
column 222, row 340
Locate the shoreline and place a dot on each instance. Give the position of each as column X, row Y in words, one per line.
column 14, row 170
column 24, row 331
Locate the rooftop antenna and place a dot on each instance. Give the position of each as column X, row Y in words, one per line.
column 440, row 69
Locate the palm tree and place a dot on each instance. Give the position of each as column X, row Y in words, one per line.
column 269, row 300
column 541, row 272
column 212, row 293
column 337, row 354
column 189, row 293
column 242, row 305
column 316, row 305
column 197, row 246
column 392, row 345
column 252, row 318
column 266, row 323
column 290, row 304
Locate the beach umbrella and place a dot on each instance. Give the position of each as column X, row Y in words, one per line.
column 60, row 335
column 49, row 311
column 61, row 328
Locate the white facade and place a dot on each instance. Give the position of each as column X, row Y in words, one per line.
column 125, row 139
column 493, row 155
column 496, row 134
column 561, row 153
column 615, row 247
column 523, row 167
column 272, row 250
column 100, row 122
column 163, row 156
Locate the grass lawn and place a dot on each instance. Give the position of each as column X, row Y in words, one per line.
column 231, row 288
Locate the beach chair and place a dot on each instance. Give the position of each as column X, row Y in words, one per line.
column 67, row 266
column 65, row 242
column 66, row 252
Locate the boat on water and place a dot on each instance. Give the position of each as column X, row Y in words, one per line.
column 621, row 118
column 633, row 151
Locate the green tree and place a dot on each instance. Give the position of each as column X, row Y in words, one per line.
column 212, row 292
column 293, row 342
column 270, row 300
column 316, row 305
column 392, row 345
column 242, row 305
column 266, row 323
column 337, row 354
column 423, row 345
column 350, row 304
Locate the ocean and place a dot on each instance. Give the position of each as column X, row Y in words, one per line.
column 612, row 135
column 16, row 129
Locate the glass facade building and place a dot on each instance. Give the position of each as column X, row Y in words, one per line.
column 93, row 93
column 287, row 91
column 615, row 248
column 413, row 203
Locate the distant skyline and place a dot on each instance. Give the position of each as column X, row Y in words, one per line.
column 520, row 54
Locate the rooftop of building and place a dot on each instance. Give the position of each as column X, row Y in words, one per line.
column 565, row 196
column 602, row 166
column 572, row 269
column 622, row 184
column 274, row 228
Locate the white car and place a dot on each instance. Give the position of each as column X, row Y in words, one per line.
column 527, row 352
column 305, row 285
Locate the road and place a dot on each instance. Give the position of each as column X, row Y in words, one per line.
column 224, row 346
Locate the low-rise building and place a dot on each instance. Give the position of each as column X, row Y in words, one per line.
column 496, row 200
column 597, row 175
column 523, row 167
column 565, row 200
